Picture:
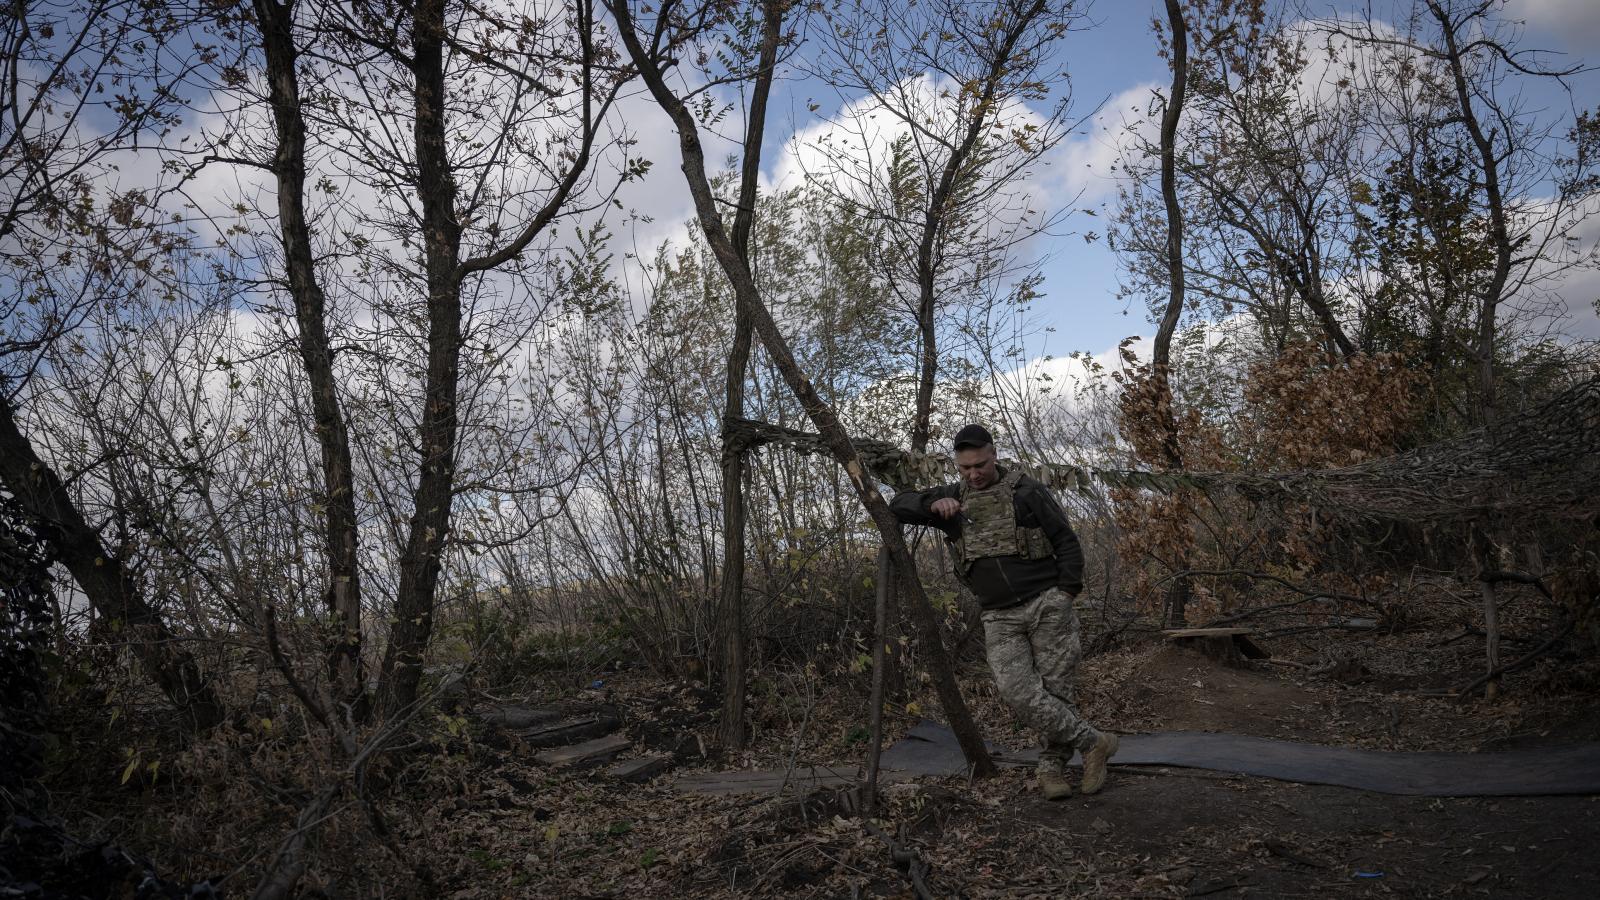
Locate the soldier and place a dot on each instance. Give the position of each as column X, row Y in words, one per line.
column 1014, row 548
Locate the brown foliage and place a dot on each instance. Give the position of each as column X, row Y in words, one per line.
column 1308, row 409
column 1304, row 409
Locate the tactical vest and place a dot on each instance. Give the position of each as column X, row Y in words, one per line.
column 991, row 528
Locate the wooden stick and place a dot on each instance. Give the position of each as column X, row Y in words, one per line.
column 1543, row 648
column 880, row 634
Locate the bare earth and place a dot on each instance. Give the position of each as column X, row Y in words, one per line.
column 1154, row 833
column 475, row 815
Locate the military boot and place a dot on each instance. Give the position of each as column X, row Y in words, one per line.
column 1055, row 785
column 1094, row 761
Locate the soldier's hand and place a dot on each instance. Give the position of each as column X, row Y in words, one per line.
column 946, row 507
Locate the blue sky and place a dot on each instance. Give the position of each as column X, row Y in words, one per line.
column 1111, row 60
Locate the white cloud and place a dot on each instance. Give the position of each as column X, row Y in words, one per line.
column 1088, row 162
column 1564, row 287
column 1572, row 24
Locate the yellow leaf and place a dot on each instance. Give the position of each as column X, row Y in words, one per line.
column 128, row 772
column 266, row 725
column 551, row 832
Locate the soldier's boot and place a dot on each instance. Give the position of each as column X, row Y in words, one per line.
column 1055, row 785
column 1094, row 762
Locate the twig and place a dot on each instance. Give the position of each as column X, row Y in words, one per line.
column 907, row 860
column 1259, row 610
column 1496, row 575
column 1287, row 851
column 1543, row 648
column 799, row 738
column 1466, row 632
column 287, row 867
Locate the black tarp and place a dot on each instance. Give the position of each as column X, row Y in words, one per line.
column 930, row 749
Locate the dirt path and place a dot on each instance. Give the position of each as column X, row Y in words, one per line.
column 1232, row 837
column 520, row 827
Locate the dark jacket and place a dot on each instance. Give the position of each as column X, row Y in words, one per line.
column 1002, row 581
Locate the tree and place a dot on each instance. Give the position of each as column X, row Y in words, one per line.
column 732, row 617
column 652, row 52
column 948, row 200
column 275, row 22
column 1264, row 161
column 75, row 244
column 534, row 93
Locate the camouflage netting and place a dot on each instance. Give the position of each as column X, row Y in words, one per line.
column 1542, row 462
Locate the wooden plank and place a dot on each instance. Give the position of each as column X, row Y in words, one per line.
column 1229, row 646
column 803, row 780
column 568, row 731
column 1178, row 634
column 763, row 782
column 642, row 769
column 515, row 716
column 597, row 750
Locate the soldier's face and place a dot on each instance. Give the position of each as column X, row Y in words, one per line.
column 977, row 466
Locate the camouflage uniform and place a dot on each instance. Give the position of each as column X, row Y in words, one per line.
column 1033, row 649
column 1013, row 541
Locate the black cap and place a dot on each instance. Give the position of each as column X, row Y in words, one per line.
column 973, row 436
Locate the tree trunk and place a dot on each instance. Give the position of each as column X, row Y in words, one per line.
column 105, row 581
column 421, row 561
column 1489, row 161
column 1483, row 559
column 731, row 624
column 818, row 410
column 880, row 637
column 731, row 726
column 937, row 216
column 1161, row 354
column 338, row 500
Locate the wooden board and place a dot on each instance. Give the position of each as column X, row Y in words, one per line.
column 1229, row 646
column 802, row 779
column 568, row 731
column 595, row 751
column 642, row 769
column 514, row 716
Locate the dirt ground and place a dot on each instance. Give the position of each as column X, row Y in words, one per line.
column 480, row 819
column 1151, row 833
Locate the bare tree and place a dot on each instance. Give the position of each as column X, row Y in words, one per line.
column 653, row 51
column 533, row 94
column 75, row 243
column 275, row 22
column 1263, row 167
column 936, row 147
column 731, row 618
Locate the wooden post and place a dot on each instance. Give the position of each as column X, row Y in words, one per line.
column 1483, row 557
column 880, row 635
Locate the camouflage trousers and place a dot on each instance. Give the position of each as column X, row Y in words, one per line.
column 1033, row 649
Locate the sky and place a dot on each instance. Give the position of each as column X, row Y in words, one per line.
column 1112, row 64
